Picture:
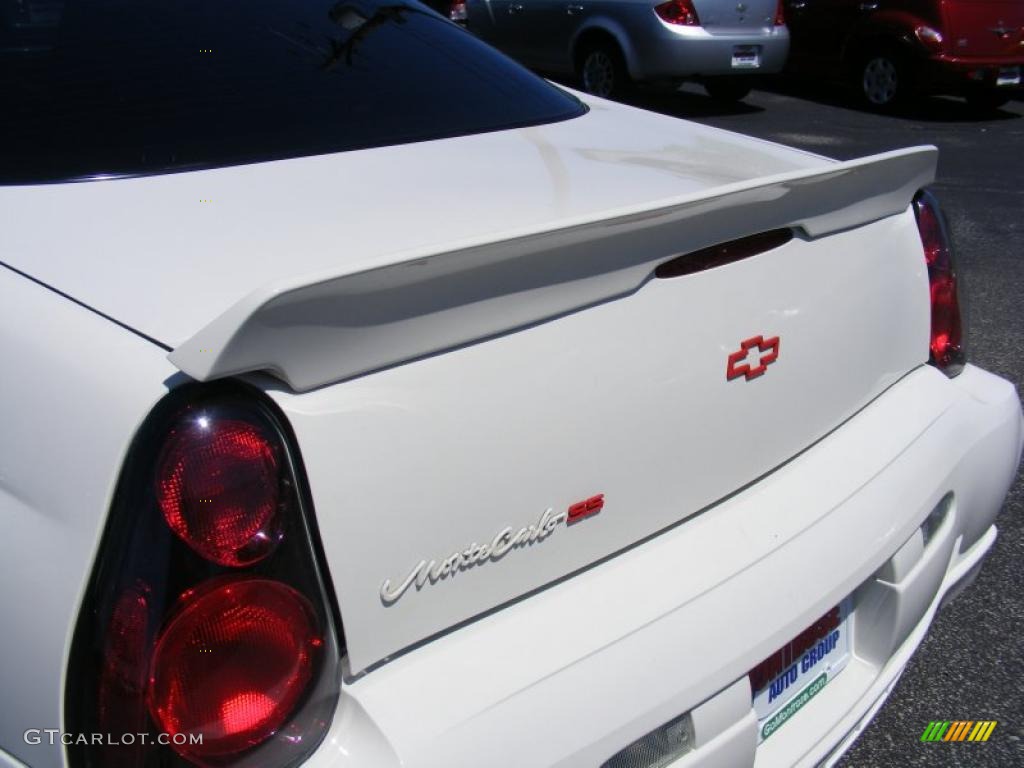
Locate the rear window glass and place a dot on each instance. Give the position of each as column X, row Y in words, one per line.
column 94, row 88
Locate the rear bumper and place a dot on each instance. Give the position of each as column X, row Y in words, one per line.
column 669, row 51
column 573, row 674
column 958, row 75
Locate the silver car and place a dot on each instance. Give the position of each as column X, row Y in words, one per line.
column 611, row 44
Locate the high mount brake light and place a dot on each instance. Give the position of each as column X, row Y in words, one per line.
column 723, row 253
column 679, row 12
column 208, row 616
column 946, row 345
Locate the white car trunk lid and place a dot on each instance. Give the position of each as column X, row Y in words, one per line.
column 474, row 341
column 444, row 486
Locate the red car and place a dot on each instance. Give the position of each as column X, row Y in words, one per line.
column 895, row 49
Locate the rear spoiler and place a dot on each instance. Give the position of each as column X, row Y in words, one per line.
column 326, row 328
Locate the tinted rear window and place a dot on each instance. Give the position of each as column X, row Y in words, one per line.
column 113, row 87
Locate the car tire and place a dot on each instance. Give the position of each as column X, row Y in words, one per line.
column 986, row 101
column 727, row 89
column 602, row 71
column 884, row 79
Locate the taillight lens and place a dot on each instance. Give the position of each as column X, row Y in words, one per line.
column 946, row 346
column 232, row 664
column 122, row 678
column 780, row 14
column 678, row 12
column 208, row 624
column 218, row 486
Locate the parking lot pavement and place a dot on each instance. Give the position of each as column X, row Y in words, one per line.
column 971, row 666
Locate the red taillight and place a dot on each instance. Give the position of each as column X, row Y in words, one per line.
column 218, row 488
column 678, row 12
column 122, row 684
column 207, row 626
column 232, row 664
column 946, row 346
column 780, row 14
column 457, row 11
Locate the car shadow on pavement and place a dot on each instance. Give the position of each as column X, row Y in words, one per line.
column 686, row 103
column 936, row 109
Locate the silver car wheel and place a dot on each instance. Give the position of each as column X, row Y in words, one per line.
column 599, row 73
column 880, row 80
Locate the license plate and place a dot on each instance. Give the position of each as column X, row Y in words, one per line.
column 746, row 57
column 789, row 678
column 1008, row 76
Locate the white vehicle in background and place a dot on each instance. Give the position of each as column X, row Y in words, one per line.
column 369, row 401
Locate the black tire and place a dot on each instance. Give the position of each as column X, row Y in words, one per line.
column 986, row 101
column 602, row 71
column 728, row 89
column 885, row 80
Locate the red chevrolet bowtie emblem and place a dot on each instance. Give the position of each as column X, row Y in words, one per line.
column 767, row 353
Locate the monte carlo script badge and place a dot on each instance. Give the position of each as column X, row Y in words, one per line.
column 507, row 539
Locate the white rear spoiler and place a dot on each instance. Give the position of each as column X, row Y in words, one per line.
column 321, row 329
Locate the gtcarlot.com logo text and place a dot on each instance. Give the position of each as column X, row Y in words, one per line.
column 56, row 736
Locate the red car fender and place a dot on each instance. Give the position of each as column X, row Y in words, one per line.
column 887, row 26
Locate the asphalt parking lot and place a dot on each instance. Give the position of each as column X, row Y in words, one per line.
column 971, row 666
